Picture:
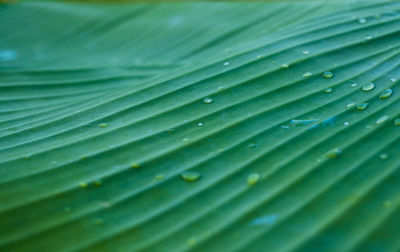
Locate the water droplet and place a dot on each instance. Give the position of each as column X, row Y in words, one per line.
column 397, row 122
column 328, row 90
column 190, row 176
column 83, row 157
column 285, row 65
column 368, row 87
column 354, row 84
column 362, row 106
column 307, row 74
column 207, row 100
column 220, row 88
column 97, row 183
column 368, row 37
column 83, row 184
column 103, row 125
column 306, row 52
column 393, row 79
column 26, row 157
column 351, row 105
column 362, row 20
column 170, row 131
column 259, row 56
column 302, row 122
column 327, row 75
column 385, row 94
column 159, row 177
column 264, row 220
column 200, row 124
column 226, row 63
column 334, row 153
column 383, row 156
column 7, row 55
column 382, row 119
column 253, row 178
column 252, row 146
column 346, row 123
column 135, row 165
column 185, row 140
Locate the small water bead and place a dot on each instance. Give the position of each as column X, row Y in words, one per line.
column 185, row 140
column 170, row 131
column 362, row 20
column 252, row 146
column 226, row 63
column 307, row 74
column 368, row 37
column 362, row 106
column 220, row 88
column 385, row 94
column 103, row 125
column 334, row 153
column 351, row 105
column 393, row 79
column 383, row 156
column 207, row 100
column 368, row 87
column 159, row 177
column 327, row 75
column 382, row 119
column 346, row 123
column 302, row 122
column 397, row 122
column 354, row 84
column 200, row 124
column 135, row 165
column 306, row 52
column 253, row 178
column 190, row 176
column 285, row 65
column 83, row 184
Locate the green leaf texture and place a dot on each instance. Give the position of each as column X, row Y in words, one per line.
column 200, row 126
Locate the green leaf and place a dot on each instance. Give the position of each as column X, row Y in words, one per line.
column 202, row 126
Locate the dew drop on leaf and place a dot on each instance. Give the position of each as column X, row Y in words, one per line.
column 327, row 75
column 382, row 119
column 393, row 79
column 368, row 37
column 328, row 90
column 362, row 106
column 306, row 52
column 226, row 63
column 385, row 94
column 207, row 100
column 368, row 87
column 383, row 156
column 302, row 122
column 190, row 176
column 285, row 65
column 200, row 124
column 362, row 20
column 159, row 177
column 135, row 165
column 350, row 105
column 185, row 140
column 83, row 184
column 103, row 125
column 334, row 153
column 307, row 74
column 253, row 178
